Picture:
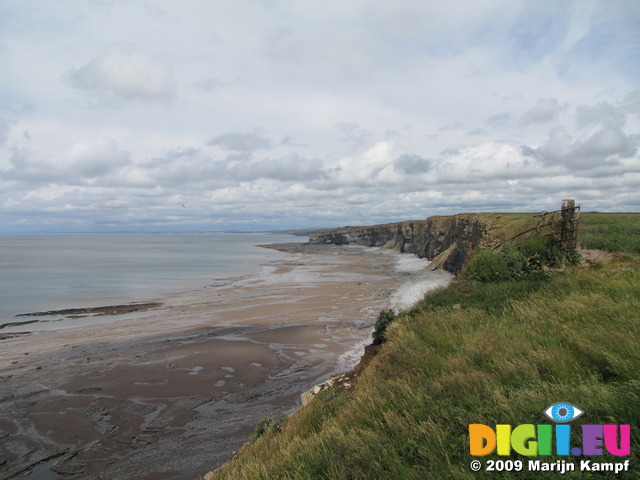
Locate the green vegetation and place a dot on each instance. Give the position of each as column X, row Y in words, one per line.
column 385, row 318
column 268, row 424
column 612, row 232
column 509, row 224
column 490, row 349
column 520, row 259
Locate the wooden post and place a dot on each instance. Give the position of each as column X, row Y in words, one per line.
column 569, row 227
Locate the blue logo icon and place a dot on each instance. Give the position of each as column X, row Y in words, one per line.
column 563, row 412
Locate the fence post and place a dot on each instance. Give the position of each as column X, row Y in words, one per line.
column 569, row 228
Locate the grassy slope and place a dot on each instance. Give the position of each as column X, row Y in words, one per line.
column 475, row 353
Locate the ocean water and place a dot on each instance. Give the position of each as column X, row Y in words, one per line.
column 52, row 272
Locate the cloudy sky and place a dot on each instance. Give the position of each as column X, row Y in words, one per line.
column 170, row 115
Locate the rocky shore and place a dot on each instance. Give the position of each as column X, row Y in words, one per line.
column 326, row 249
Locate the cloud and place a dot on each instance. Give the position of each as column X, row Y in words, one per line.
column 197, row 169
column 609, row 42
column 327, row 113
column 212, row 84
column 605, row 145
column 602, row 113
column 452, row 126
column 364, row 169
column 5, row 124
column 283, row 45
column 288, row 141
column 209, row 84
column 483, row 164
column 477, row 132
column 631, row 102
column 545, row 110
column 241, row 142
column 411, row 164
column 96, row 158
column 81, row 162
column 499, row 119
column 9, row 115
column 124, row 73
column 536, row 31
column 557, row 147
column 353, row 133
column 289, row 168
column 182, row 168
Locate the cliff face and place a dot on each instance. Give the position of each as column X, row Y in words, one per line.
column 446, row 241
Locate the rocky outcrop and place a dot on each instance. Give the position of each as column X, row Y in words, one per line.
column 344, row 381
column 446, row 241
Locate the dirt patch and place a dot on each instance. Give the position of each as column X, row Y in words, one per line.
column 593, row 257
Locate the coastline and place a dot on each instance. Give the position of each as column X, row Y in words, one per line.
column 173, row 390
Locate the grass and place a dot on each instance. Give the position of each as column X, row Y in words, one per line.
column 474, row 352
column 507, row 225
column 612, row 232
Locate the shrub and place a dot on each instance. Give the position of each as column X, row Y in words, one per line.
column 487, row 266
column 268, row 424
column 537, row 251
column 518, row 260
column 573, row 258
column 385, row 318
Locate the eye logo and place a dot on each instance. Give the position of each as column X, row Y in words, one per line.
column 563, row 412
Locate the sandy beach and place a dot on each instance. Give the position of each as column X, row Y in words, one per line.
column 169, row 391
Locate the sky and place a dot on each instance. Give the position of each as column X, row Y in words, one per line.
column 245, row 115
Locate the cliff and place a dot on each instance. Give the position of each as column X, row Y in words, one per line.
column 446, row 241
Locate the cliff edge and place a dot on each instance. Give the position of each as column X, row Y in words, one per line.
column 445, row 240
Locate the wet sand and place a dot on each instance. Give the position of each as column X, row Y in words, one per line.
column 171, row 391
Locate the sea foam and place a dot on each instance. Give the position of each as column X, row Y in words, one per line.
column 420, row 280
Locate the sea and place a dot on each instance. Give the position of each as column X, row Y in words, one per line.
column 60, row 271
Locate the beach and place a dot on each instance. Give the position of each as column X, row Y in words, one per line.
column 170, row 390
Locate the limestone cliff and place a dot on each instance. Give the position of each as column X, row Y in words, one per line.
column 447, row 241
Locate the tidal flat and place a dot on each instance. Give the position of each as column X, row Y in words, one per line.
column 172, row 390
